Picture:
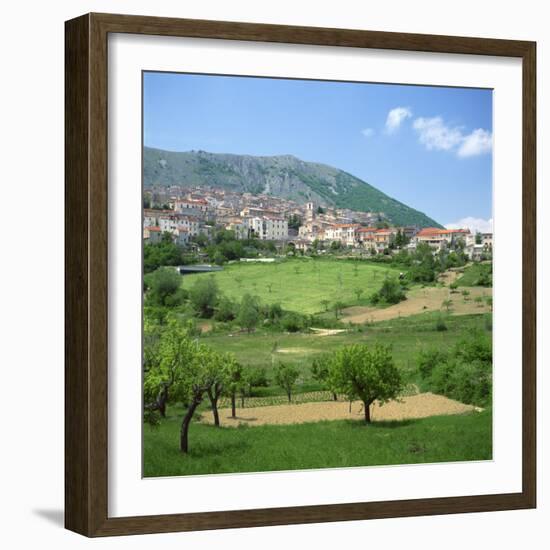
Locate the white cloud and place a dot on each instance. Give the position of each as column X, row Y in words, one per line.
column 367, row 132
column 396, row 117
column 434, row 134
column 473, row 224
column 478, row 142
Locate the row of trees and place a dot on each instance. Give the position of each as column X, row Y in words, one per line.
column 422, row 265
column 163, row 292
column 179, row 368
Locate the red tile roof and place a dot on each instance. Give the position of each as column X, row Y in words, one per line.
column 432, row 231
column 367, row 230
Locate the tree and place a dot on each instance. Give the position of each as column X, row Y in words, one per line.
column 390, row 292
column 325, row 303
column 447, row 304
column 225, row 310
column 294, row 221
column 320, row 373
column 182, row 367
column 367, row 373
column 161, row 254
column 156, row 393
column 358, row 293
column 286, row 376
column 163, row 285
column 216, row 377
column 204, row 296
column 423, row 264
column 234, row 380
column 252, row 377
column 338, row 306
column 249, row 314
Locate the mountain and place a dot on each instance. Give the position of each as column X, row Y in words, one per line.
column 282, row 176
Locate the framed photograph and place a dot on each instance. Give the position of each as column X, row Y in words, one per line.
column 300, row 275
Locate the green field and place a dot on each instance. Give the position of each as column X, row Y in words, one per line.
column 300, row 285
column 407, row 336
column 342, row 443
column 303, row 286
column 473, row 273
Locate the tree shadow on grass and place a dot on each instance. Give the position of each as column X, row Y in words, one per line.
column 211, row 448
column 381, row 424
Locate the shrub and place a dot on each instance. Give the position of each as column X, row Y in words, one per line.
column 286, row 376
column 163, row 287
column 390, row 292
column 275, row 311
column 204, row 296
column 249, row 312
column 440, row 325
column 468, row 382
column 256, row 377
column 292, row 322
column 464, row 373
column 427, row 360
column 226, row 310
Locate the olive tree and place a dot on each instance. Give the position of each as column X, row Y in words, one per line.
column 367, row 373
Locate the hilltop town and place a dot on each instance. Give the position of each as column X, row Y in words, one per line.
column 186, row 213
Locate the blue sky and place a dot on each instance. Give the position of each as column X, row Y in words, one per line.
column 429, row 147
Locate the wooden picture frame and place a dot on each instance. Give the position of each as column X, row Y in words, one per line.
column 86, row 279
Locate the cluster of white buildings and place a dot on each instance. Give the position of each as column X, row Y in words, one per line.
column 198, row 211
column 191, row 216
column 476, row 245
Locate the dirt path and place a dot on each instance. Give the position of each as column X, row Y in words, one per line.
column 415, row 406
column 420, row 300
column 327, row 331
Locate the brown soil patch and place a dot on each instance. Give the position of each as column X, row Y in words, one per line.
column 415, row 406
column 420, row 300
column 205, row 326
column 327, row 331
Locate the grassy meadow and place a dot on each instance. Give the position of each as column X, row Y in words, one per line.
column 313, row 286
column 476, row 273
column 328, row 444
column 406, row 335
column 300, row 285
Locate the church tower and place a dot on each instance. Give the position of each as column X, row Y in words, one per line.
column 310, row 211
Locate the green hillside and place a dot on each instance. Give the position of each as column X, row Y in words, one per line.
column 281, row 176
